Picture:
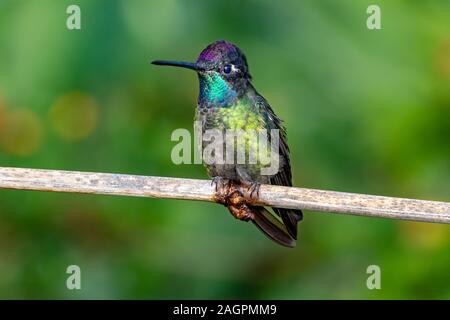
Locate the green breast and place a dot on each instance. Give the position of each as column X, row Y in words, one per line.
column 243, row 120
column 240, row 116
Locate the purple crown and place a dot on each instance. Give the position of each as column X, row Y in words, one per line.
column 219, row 50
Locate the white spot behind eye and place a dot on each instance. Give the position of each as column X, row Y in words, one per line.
column 234, row 69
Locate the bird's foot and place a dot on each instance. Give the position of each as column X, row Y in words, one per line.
column 221, row 183
column 251, row 189
column 223, row 188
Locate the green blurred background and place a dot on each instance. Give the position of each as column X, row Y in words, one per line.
column 366, row 111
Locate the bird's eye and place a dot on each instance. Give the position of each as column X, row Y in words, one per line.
column 227, row 69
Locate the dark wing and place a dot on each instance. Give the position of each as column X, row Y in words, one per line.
column 290, row 217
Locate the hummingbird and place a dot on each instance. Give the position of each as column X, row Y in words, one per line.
column 228, row 100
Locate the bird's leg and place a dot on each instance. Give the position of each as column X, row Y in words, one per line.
column 251, row 189
column 254, row 190
column 219, row 182
column 223, row 189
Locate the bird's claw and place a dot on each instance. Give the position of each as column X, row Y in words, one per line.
column 254, row 189
column 223, row 189
column 221, row 183
column 251, row 189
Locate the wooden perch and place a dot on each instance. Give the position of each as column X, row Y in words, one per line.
column 203, row 190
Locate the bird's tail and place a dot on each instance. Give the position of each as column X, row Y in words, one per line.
column 290, row 218
column 272, row 227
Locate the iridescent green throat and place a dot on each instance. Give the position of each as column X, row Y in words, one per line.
column 215, row 91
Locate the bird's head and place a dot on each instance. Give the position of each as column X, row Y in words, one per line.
column 222, row 68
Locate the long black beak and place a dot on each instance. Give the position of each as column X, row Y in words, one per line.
column 181, row 64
